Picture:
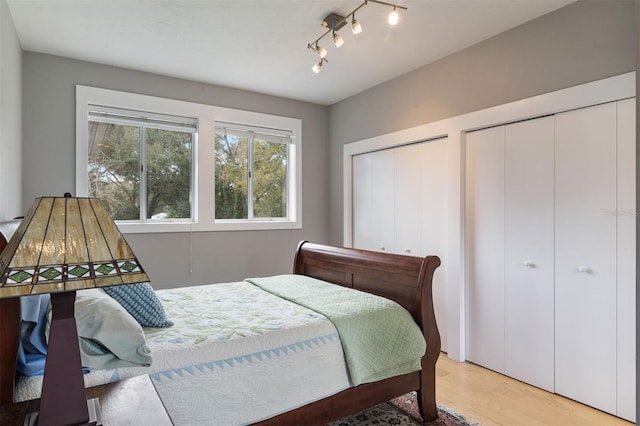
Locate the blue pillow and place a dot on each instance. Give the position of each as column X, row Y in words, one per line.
column 141, row 302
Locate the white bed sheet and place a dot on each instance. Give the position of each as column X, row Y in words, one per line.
column 235, row 354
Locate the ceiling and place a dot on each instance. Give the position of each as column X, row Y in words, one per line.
column 261, row 45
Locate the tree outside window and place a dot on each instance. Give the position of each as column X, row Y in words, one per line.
column 140, row 171
column 250, row 174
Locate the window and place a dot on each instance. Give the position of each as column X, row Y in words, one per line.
column 163, row 165
column 251, row 180
column 140, row 164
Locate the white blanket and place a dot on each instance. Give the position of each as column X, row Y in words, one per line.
column 235, row 355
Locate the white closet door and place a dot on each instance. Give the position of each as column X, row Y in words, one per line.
column 626, row 218
column 585, row 340
column 373, row 208
column 484, row 236
column 400, row 203
column 529, row 252
column 407, row 200
column 434, row 223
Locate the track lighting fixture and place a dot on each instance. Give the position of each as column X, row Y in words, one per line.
column 333, row 22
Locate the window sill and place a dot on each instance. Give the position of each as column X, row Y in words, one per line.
column 166, row 227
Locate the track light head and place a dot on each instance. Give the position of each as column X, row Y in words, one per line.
column 317, row 67
column 356, row 28
column 337, row 40
column 394, row 17
column 321, row 51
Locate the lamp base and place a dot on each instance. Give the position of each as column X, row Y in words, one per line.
column 93, row 406
column 63, row 401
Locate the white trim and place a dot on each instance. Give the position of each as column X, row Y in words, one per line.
column 206, row 115
column 584, row 95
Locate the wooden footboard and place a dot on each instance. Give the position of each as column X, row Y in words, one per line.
column 404, row 279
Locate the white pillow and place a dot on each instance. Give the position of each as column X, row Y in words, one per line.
column 109, row 336
column 8, row 228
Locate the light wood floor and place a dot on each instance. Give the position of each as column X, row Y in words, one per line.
column 490, row 398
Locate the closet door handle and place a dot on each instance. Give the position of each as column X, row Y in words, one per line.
column 382, row 248
column 584, row 270
column 407, row 250
column 529, row 264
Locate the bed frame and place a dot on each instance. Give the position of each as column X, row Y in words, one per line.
column 408, row 281
column 405, row 279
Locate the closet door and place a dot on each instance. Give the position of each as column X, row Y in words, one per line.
column 529, row 252
column 434, row 223
column 373, row 198
column 400, row 206
column 484, row 247
column 585, row 236
column 626, row 219
column 408, row 162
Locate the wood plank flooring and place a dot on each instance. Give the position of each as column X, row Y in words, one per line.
column 489, row 398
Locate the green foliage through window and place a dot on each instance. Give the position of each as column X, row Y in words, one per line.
column 140, row 171
column 250, row 174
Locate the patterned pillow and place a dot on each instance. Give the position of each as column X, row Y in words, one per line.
column 141, row 302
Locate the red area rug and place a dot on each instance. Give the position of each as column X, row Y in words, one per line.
column 402, row 410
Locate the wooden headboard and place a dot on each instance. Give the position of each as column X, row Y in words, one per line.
column 404, row 279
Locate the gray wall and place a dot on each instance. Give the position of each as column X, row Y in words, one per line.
column 10, row 117
column 582, row 42
column 171, row 259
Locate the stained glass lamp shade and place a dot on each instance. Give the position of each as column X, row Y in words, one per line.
column 65, row 244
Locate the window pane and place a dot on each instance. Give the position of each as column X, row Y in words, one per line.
column 269, row 179
column 168, row 171
column 114, row 168
column 231, row 177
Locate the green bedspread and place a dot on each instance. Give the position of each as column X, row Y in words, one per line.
column 379, row 338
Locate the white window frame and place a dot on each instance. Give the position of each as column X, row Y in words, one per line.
column 204, row 158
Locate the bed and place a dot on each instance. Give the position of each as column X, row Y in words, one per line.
column 403, row 279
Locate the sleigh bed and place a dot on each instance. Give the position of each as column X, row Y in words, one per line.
column 403, row 279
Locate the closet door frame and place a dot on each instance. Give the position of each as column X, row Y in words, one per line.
column 626, row 213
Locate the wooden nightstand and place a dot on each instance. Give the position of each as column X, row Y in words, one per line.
column 128, row 402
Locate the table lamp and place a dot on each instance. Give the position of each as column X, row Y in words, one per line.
column 65, row 244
